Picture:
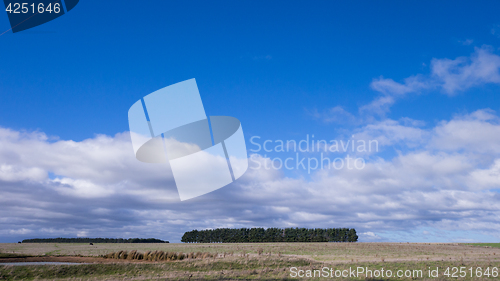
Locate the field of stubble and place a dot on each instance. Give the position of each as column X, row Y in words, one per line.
column 243, row 261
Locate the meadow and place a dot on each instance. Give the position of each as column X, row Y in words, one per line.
column 264, row 261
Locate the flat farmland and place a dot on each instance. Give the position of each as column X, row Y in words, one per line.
column 247, row 261
column 325, row 252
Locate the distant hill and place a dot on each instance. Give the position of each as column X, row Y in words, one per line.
column 93, row 240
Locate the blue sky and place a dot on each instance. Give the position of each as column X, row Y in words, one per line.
column 77, row 75
column 285, row 69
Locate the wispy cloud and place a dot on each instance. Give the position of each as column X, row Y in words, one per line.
column 448, row 76
column 336, row 115
column 466, row 42
column 495, row 30
column 411, row 84
column 266, row 57
column 462, row 73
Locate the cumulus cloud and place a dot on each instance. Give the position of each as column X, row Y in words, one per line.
column 390, row 132
column 96, row 187
column 478, row 132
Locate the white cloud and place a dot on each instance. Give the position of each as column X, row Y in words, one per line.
column 13, row 173
column 438, row 180
column 369, row 236
column 488, row 178
column 450, row 76
column 22, row 231
column 81, row 188
column 478, row 132
column 462, row 73
column 389, row 132
column 410, row 85
column 379, row 106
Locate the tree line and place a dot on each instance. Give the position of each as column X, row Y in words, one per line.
column 255, row 235
column 93, row 240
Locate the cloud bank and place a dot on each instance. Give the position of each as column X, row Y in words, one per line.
column 442, row 180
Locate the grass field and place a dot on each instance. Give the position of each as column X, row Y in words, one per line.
column 242, row 261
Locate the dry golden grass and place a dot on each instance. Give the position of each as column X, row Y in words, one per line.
column 242, row 261
column 325, row 252
column 157, row 256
